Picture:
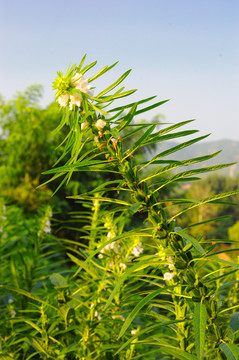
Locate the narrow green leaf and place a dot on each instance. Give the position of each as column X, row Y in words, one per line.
column 102, row 71
column 134, row 208
column 200, row 322
column 27, row 294
column 116, row 83
column 81, row 63
column 191, row 239
column 147, row 330
column 231, row 351
column 117, row 95
column 205, row 201
column 176, row 164
column 32, row 324
column 88, row 67
column 123, row 107
column 121, row 280
column 180, row 146
column 127, row 119
column 139, row 142
column 137, row 308
column 40, row 346
column 155, row 138
column 178, row 353
column 151, row 107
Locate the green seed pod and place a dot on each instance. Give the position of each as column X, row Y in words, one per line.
column 139, row 197
column 184, row 343
column 213, row 305
column 189, row 288
column 196, row 293
column 129, row 174
column 145, row 188
column 190, row 277
column 176, row 279
column 161, row 231
column 174, row 237
column 184, row 256
column 196, row 299
column 202, row 289
column 180, row 264
column 174, row 245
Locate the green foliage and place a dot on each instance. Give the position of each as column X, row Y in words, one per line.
column 117, row 291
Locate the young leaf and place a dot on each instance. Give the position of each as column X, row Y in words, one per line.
column 234, row 322
column 58, row 280
column 231, row 351
column 200, row 322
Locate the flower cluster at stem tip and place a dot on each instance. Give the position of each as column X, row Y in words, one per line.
column 69, row 90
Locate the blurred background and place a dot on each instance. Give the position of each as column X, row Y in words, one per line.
column 185, row 51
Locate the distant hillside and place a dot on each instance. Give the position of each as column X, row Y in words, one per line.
column 229, row 154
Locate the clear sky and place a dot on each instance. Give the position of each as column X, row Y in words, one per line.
column 183, row 50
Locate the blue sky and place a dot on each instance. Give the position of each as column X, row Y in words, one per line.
column 182, row 50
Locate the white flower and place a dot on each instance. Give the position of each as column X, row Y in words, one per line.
column 84, row 125
column 4, row 208
column 100, row 124
column 170, row 260
column 80, row 83
column 110, row 246
column 63, row 99
column 133, row 332
column 171, row 267
column 137, row 250
column 120, row 317
column 96, row 139
column 75, row 79
column 10, row 301
column 47, row 229
column 123, row 266
column 100, row 256
column 76, row 99
column 110, row 235
column 168, row 276
column 97, row 315
column 3, row 218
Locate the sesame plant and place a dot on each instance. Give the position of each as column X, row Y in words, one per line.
column 144, row 291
